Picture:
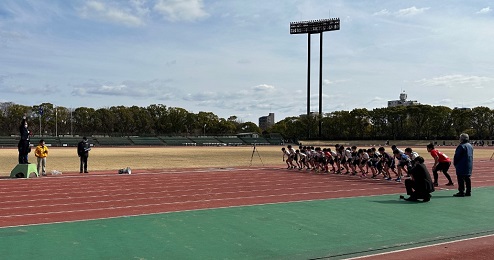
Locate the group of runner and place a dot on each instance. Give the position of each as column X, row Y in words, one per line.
column 371, row 162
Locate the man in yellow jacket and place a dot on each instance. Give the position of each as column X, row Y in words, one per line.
column 41, row 153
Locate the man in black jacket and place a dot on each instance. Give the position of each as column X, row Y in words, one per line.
column 83, row 149
column 420, row 185
column 24, row 145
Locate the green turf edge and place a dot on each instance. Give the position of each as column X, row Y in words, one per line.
column 336, row 228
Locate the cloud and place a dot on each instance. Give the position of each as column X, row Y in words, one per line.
column 203, row 96
column 456, row 81
column 259, row 92
column 383, row 12
column 446, row 101
column 106, row 11
column 22, row 88
column 171, row 63
column 377, row 100
column 244, row 61
column 181, row 10
column 406, row 12
column 333, row 82
column 259, row 97
column 412, row 11
column 28, row 90
column 134, row 89
column 263, row 88
column 140, row 7
column 485, row 10
column 489, row 102
column 134, row 12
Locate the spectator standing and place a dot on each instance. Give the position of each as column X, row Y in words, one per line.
column 83, row 149
column 41, row 153
column 463, row 162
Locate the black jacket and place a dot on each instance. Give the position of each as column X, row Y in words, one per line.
column 24, row 133
column 83, row 149
column 422, row 178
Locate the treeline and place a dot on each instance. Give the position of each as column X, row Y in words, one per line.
column 153, row 120
column 420, row 122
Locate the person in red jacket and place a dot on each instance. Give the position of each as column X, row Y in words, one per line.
column 441, row 163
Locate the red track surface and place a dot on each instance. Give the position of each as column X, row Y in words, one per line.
column 78, row 197
column 73, row 197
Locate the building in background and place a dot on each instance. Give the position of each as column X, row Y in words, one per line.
column 403, row 101
column 266, row 121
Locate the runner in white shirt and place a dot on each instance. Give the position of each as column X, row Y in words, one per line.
column 288, row 159
column 292, row 155
column 364, row 158
column 303, row 159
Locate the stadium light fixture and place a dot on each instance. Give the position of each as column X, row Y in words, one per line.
column 313, row 27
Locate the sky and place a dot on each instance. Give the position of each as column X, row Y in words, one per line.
column 238, row 58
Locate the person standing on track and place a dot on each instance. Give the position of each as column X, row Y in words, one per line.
column 41, row 153
column 463, row 162
column 83, row 149
column 441, row 163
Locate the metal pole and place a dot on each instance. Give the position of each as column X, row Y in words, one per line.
column 308, row 84
column 308, row 75
column 320, row 85
column 56, row 122
column 71, row 133
column 40, row 125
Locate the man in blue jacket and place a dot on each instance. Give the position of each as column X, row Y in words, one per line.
column 463, row 162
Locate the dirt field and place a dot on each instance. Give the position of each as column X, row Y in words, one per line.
column 114, row 158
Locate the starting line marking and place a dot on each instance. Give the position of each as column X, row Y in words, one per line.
column 418, row 247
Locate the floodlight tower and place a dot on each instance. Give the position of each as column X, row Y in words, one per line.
column 313, row 27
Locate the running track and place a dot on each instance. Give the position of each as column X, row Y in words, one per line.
column 77, row 197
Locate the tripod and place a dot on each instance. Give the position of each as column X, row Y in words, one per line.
column 252, row 156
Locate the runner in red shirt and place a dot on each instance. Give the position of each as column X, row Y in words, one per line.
column 441, row 163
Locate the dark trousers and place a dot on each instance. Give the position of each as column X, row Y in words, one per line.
column 414, row 191
column 83, row 165
column 444, row 167
column 464, row 180
column 24, row 150
column 23, row 158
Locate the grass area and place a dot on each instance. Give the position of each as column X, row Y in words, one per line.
column 114, row 158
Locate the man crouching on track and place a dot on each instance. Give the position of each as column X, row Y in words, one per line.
column 420, row 185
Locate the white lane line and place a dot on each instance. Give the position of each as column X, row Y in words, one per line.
column 418, row 247
column 189, row 210
column 160, row 204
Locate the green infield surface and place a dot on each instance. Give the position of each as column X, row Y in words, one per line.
column 333, row 228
